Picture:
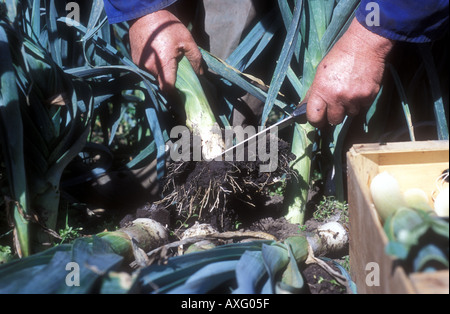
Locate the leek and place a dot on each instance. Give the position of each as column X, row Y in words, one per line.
column 147, row 233
column 441, row 206
column 386, row 194
column 200, row 118
column 321, row 24
column 417, row 198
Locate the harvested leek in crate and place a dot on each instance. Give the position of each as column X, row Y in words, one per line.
column 409, row 167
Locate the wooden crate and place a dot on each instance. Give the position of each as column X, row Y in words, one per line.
column 415, row 165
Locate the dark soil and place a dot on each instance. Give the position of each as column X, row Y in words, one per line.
column 235, row 197
column 320, row 281
column 280, row 227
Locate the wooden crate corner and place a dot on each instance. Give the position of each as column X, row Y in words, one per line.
column 415, row 165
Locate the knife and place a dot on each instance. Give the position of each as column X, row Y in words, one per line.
column 297, row 116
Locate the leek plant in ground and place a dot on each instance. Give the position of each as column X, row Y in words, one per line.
column 46, row 120
column 50, row 98
column 312, row 29
column 321, row 24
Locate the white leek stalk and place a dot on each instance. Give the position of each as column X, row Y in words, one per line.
column 199, row 117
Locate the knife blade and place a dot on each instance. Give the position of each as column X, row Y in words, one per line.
column 295, row 117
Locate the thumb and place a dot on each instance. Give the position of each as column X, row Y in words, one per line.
column 316, row 111
column 194, row 56
column 168, row 75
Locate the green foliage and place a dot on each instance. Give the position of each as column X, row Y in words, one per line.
column 5, row 254
column 255, row 267
column 330, row 207
column 69, row 233
column 418, row 239
column 51, row 97
column 46, row 272
column 48, row 114
column 252, row 267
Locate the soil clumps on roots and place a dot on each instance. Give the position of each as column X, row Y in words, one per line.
column 227, row 195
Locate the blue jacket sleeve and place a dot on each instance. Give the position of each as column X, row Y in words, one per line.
column 125, row 10
column 405, row 20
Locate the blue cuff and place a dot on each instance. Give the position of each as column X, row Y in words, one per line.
column 405, row 20
column 126, row 10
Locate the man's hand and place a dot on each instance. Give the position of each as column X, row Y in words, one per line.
column 349, row 77
column 158, row 41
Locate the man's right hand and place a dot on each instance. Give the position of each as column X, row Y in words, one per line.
column 158, row 41
column 349, row 77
